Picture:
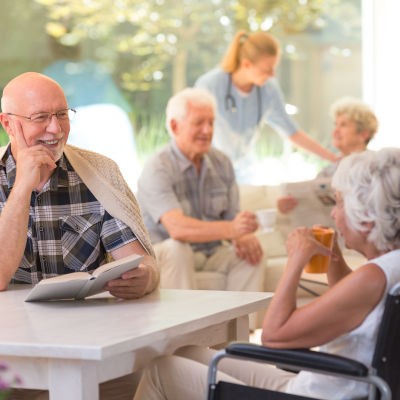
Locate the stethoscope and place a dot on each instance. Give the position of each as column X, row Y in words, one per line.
column 230, row 102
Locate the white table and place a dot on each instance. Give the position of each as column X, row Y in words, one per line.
column 69, row 347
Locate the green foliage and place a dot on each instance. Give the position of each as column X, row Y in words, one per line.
column 150, row 134
column 290, row 16
column 150, row 34
column 158, row 38
column 3, row 137
column 269, row 143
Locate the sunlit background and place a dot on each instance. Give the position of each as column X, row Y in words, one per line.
column 120, row 60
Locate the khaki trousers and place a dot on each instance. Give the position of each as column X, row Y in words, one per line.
column 179, row 266
column 184, row 375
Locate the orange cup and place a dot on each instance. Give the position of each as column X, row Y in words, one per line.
column 318, row 263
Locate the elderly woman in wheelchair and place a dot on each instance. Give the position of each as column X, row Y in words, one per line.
column 343, row 321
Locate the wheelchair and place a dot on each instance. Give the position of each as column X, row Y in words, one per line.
column 383, row 378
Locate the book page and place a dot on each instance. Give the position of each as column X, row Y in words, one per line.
column 315, row 202
column 73, row 276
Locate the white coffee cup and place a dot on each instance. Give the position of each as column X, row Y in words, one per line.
column 266, row 218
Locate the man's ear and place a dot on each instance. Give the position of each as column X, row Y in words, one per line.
column 5, row 122
column 173, row 124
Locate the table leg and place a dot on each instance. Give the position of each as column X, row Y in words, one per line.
column 242, row 328
column 69, row 379
column 238, row 331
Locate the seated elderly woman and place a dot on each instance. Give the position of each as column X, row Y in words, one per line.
column 355, row 124
column 343, row 321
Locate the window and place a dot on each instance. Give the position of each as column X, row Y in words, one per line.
column 119, row 62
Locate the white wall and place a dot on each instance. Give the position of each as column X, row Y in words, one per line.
column 381, row 67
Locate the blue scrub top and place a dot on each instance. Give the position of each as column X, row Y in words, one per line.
column 236, row 131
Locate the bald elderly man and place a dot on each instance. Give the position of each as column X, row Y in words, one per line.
column 63, row 209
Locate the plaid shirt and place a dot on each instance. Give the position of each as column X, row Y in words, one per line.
column 68, row 229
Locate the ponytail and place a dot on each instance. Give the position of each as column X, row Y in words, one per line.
column 249, row 46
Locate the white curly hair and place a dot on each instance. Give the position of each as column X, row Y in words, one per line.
column 369, row 183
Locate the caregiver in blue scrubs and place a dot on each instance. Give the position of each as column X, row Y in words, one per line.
column 248, row 95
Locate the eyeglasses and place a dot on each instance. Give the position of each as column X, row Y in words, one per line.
column 45, row 117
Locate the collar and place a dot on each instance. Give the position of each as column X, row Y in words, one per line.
column 183, row 162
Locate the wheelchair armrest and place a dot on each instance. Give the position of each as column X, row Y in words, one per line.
column 299, row 359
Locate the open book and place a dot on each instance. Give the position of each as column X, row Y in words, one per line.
column 78, row 285
column 315, row 202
